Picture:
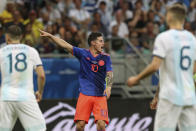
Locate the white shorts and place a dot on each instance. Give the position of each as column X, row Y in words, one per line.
column 28, row 113
column 169, row 115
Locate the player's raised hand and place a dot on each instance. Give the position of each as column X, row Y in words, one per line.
column 38, row 96
column 107, row 92
column 132, row 81
column 153, row 104
column 43, row 33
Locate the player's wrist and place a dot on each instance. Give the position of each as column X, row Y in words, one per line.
column 109, row 87
column 40, row 92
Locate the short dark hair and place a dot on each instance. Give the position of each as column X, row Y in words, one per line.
column 102, row 3
column 14, row 32
column 93, row 36
column 179, row 11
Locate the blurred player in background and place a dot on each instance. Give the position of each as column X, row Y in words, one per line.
column 95, row 80
column 17, row 98
column 174, row 54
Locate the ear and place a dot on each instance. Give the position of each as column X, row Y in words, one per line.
column 93, row 43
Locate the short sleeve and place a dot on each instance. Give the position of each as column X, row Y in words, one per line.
column 36, row 58
column 108, row 64
column 159, row 49
column 77, row 52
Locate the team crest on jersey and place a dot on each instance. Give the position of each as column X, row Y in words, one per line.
column 101, row 63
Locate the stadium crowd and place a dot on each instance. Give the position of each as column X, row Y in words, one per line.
column 138, row 21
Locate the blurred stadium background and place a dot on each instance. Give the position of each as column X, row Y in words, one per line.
column 129, row 28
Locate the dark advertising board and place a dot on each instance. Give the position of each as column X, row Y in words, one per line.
column 125, row 115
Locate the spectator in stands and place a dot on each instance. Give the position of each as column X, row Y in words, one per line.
column 93, row 28
column 134, row 39
column 2, row 5
column 151, row 16
column 159, row 11
column 187, row 26
column 105, row 14
column 138, row 5
column 45, row 19
column 68, row 25
column 69, row 38
column 35, row 24
column 64, row 6
column 148, row 37
column 54, row 14
column 118, row 48
column 6, row 15
column 192, row 11
column 49, row 29
column 100, row 26
column 55, row 28
column 80, row 16
column 120, row 3
column 79, row 40
column 17, row 20
column 139, row 20
column 114, row 32
column 61, row 32
column 45, row 46
column 126, row 12
column 122, row 27
column 29, row 36
column 89, row 5
column 193, row 24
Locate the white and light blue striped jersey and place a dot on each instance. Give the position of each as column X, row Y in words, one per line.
column 178, row 50
column 17, row 62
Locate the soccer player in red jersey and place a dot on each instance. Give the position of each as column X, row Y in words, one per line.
column 95, row 78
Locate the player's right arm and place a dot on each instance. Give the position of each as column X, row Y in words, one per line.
column 153, row 104
column 58, row 41
column 40, row 81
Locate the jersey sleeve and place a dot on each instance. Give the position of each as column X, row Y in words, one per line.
column 159, row 49
column 36, row 58
column 108, row 64
column 77, row 52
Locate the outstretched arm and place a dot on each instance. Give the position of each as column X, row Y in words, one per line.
column 153, row 67
column 109, row 82
column 58, row 41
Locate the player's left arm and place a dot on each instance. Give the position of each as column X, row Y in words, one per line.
column 109, row 82
column 150, row 69
column 109, row 77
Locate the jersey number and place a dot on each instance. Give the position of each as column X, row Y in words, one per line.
column 94, row 67
column 184, row 57
column 20, row 59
